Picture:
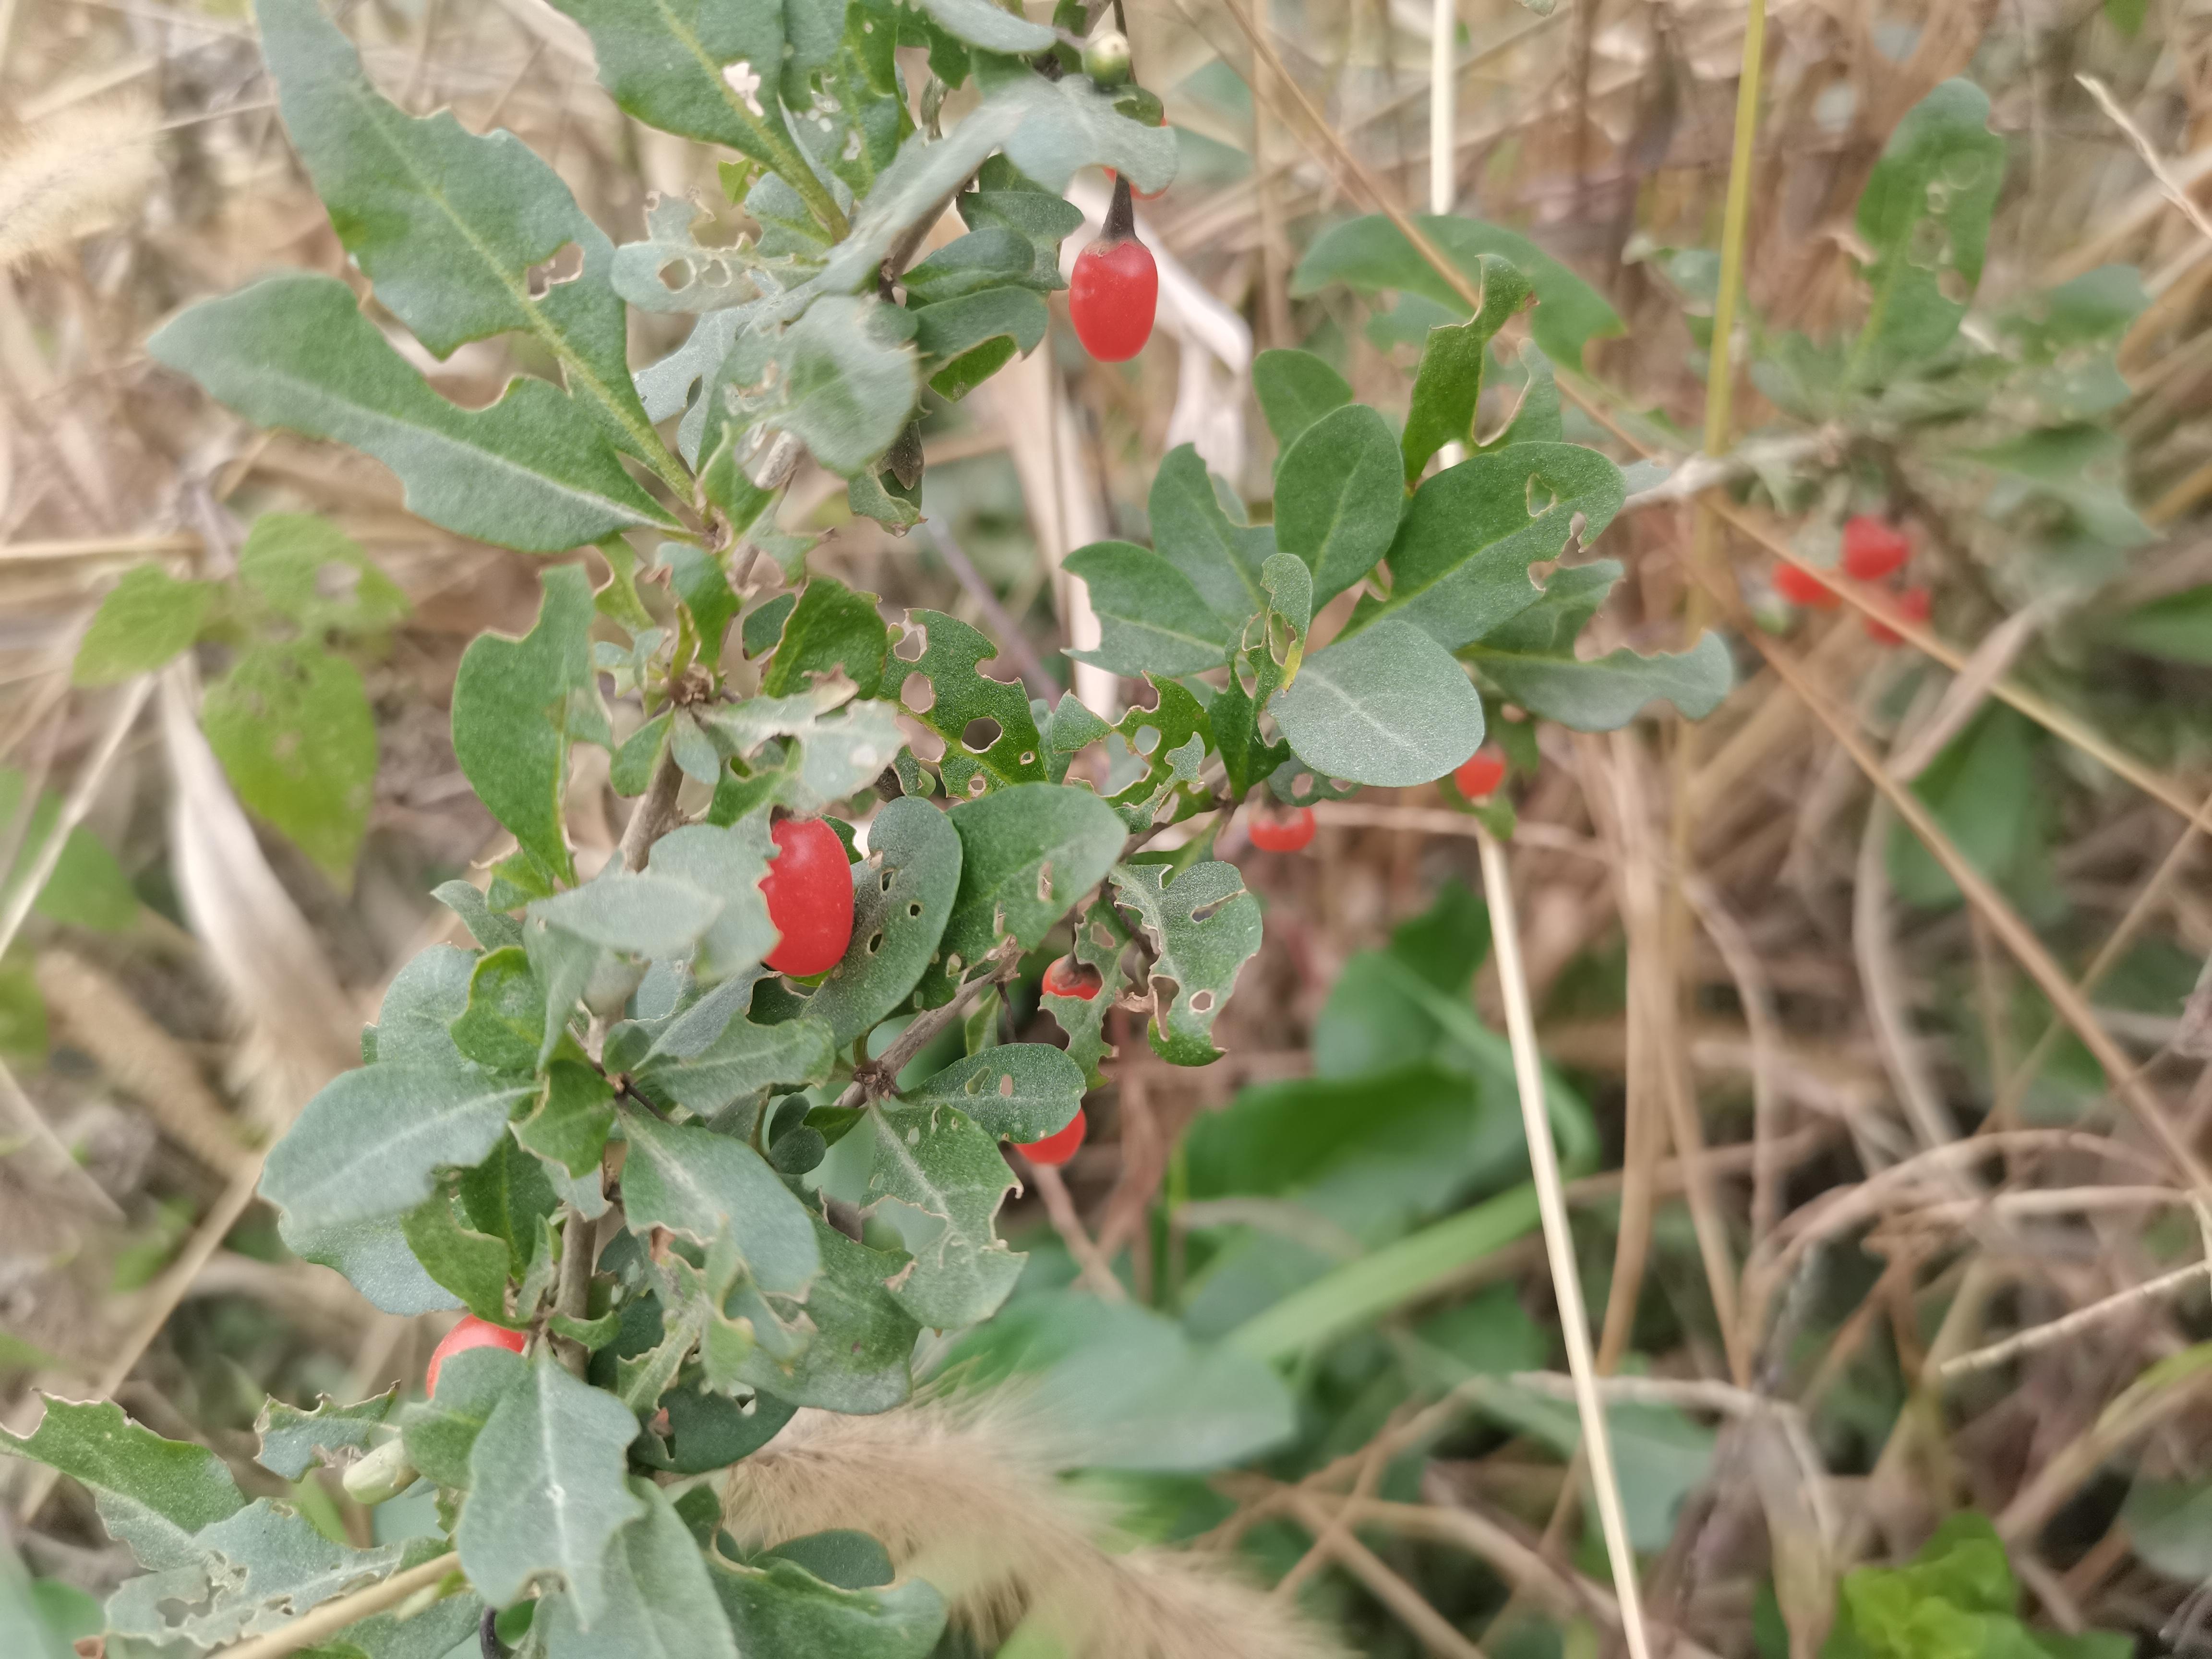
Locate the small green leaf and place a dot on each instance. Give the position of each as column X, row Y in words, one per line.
column 1604, row 694
column 1067, row 731
column 839, row 753
column 292, row 726
column 959, row 337
column 441, row 1432
column 1337, row 497
column 1039, row 216
column 471, row 1264
column 370, row 1141
column 1385, row 707
column 491, row 928
column 532, row 471
column 831, row 628
column 661, row 1603
column 655, row 915
column 292, row 1441
column 147, row 618
column 153, row 1493
column 1202, row 928
column 696, row 1183
column 1027, row 854
column 517, row 705
column 375, row 1259
column 1192, row 530
column 902, row 893
column 504, row 1026
column 993, row 28
column 1018, row 1091
column 1172, row 737
column 1150, row 616
column 714, row 1061
column 961, row 697
column 547, row 1491
column 510, row 1197
column 1100, row 937
column 306, row 568
column 939, row 1180
column 569, row 1125
column 843, row 385
column 2177, row 627
column 985, row 258
column 1295, row 390
column 1448, row 383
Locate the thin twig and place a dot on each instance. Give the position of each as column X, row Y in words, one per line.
column 332, row 1617
column 1438, row 1634
column 2043, row 1335
column 2168, row 185
column 1060, row 1207
column 880, row 1075
column 1566, row 1286
column 80, row 796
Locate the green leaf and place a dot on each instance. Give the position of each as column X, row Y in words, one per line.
column 1150, row 618
column 304, row 568
column 2177, row 627
column 1386, row 706
column 1066, row 730
column 704, row 1185
column 858, row 1360
column 2127, row 15
column 1459, row 566
column 965, row 340
column 294, row 1441
column 2170, row 1524
column 1370, row 254
column 448, row 225
column 547, row 1491
column 441, row 1432
column 903, row 892
column 1039, row 216
column 962, row 697
column 257, row 1571
column 152, row 1493
column 1605, row 693
column 517, row 705
column 985, row 258
column 939, row 1180
column 370, row 1141
column 569, row 1125
column 1026, row 855
column 661, row 1603
column 1172, row 738
column 532, row 471
column 489, row 928
column 148, row 617
column 850, row 1560
column 1984, row 791
column 1016, row 1091
column 504, row 1026
column 1448, row 383
column 698, row 579
column 831, row 628
column 1202, row 928
column 2082, row 469
column 292, row 726
column 839, row 754
column 1099, row 939
column 1337, row 497
column 708, row 1061
column 1925, row 214
column 87, row 888
column 843, row 383
column 509, row 1196
column 374, row 1257
column 1147, row 1396
column 471, row 1263
column 1193, row 532
column 726, row 862
column 35, row 1614
column 777, row 1607
column 980, row 23
column 1295, row 390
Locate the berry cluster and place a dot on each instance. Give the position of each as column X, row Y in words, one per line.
column 1875, row 550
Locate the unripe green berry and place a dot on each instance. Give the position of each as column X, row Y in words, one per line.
column 384, row 1473
column 1106, row 58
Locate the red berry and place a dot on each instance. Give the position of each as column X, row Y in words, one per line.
column 1115, row 287
column 1055, row 1150
column 1288, row 833
column 1913, row 605
column 1873, row 547
column 473, row 1333
column 1069, row 978
column 1801, row 587
column 809, row 889
column 1481, row 774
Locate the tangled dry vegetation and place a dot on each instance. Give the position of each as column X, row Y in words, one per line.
column 1906, row 1195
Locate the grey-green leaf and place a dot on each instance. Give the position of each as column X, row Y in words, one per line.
column 727, row 862
column 1296, row 389
column 1150, row 618
column 903, row 892
column 1018, row 1091
column 292, row 1441
column 1027, row 854
column 1193, row 532
column 1202, row 926
column 660, row 1603
column 1387, row 706
column 696, row 1183
column 1337, row 497
column 940, row 1180
column 532, row 471
column 153, row 1493
column 547, row 1491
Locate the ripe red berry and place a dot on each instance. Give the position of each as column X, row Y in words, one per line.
column 1873, row 547
column 809, row 889
column 1913, row 605
column 1288, row 833
column 473, row 1333
column 1115, row 286
column 1056, row 1149
column 1069, row 978
column 1481, row 774
column 1802, row 588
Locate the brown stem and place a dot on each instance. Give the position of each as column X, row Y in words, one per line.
column 654, row 814
column 1121, row 216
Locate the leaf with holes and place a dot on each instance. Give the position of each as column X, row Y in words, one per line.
column 546, row 1489
column 294, row 1441
column 452, row 228
column 1026, row 855
column 1383, row 707
column 1458, row 564
column 1925, row 214
column 1337, row 497
column 1296, row 389
column 837, row 754
column 1202, row 928
column 1018, row 1091
column 671, row 270
column 903, row 892
column 532, row 471
column 1448, row 381
column 1171, row 738
column 961, row 697
column 830, row 628
column 292, row 726
column 938, row 1179
column 1193, row 531
column 1150, row 616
